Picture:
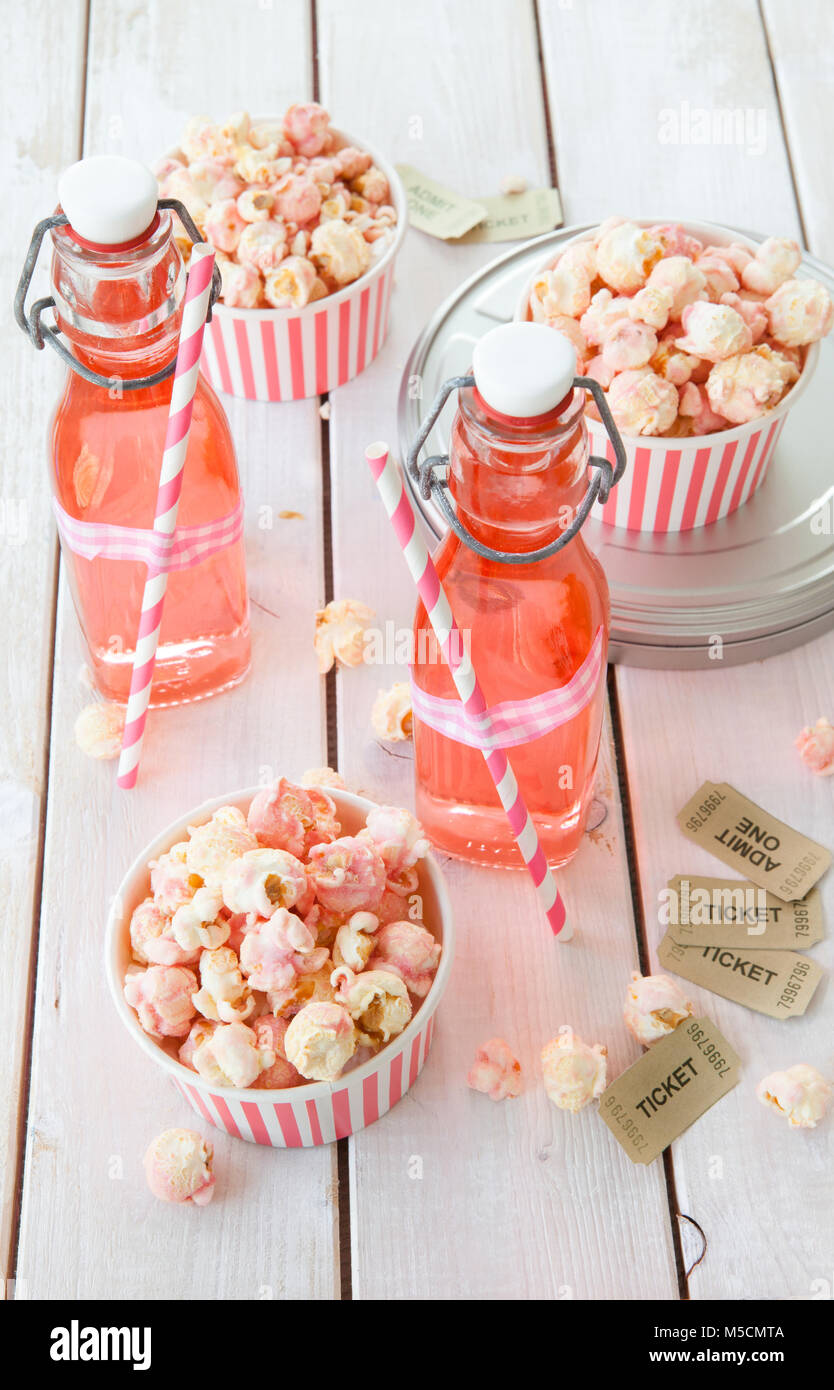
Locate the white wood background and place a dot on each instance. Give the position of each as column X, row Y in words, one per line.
column 516, row 1200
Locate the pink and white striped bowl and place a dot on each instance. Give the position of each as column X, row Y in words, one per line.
column 678, row 484
column 303, row 1116
column 289, row 354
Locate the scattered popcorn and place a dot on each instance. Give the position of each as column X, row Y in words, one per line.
column 323, row 777
column 655, row 1005
column 391, row 715
column 340, row 633
column 320, row 1040
column 495, row 1071
column 574, row 1073
column 99, row 729
column 513, row 183
column 800, row 1094
column 324, row 410
column 178, row 1167
column 816, row 747
column 276, row 912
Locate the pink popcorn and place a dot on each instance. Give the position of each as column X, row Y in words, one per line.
column 297, row 198
column 161, row 996
column 99, row 729
column 269, row 951
column 816, row 747
column 626, row 255
column 393, row 904
column 495, row 1071
column 233, row 1056
column 391, row 715
column 713, row 332
column 627, row 345
column 180, row 185
column 290, row 286
column 736, row 256
column 263, row 244
column 354, row 943
column 574, row 1073
column 200, row 1031
column 566, row 289
column 270, row 1033
column 694, row 403
column 752, row 310
column 572, row 331
column 800, row 312
column 744, row 387
column 774, row 262
column 676, row 241
column 651, row 306
column 224, row 225
column 323, row 777
column 178, row 1167
column 293, row 818
column 642, row 402
column 313, row 988
column 410, row 951
column 340, row 633
column 720, row 277
column 224, row 995
column 214, row 845
column 320, row 1041
column 685, row 281
column 376, row 1000
column 349, row 163
column 397, row 835
column 214, row 181
column 172, row 882
column 340, row 251
column 373, row 186
column 242, row 285
column 599, row 370
column 202, row 139
column 654, row 1006
column 603, row 310
column 348, row 874
column 270, row 133
column 263, row 881
column 307, row 126
column 255, row 204
column 261, row 166
column 669, row 362
column 800, row 1093
column 198, row 924
column 152, row 940
column 163, row 168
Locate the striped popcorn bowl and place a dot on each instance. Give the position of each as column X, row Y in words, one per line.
column 321, row 1111
column 678, row 484
column 289, row 354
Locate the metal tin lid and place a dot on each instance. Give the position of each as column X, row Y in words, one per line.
column 108, row 200
column 523, row 369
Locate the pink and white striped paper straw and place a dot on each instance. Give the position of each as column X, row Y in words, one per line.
column 194, row 311
column 389, row 481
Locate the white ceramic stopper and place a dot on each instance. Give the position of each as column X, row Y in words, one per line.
column 108, row 199
column 524, row 369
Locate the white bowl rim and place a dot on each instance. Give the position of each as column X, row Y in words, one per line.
column 689, row 441
column 395, row 183
column 311, row 1090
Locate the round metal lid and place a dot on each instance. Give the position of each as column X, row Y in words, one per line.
column 761, row 580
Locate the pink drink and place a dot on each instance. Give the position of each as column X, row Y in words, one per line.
column 120, row 311
column 531, row 627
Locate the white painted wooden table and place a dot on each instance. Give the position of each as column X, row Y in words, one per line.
column 516, row 1200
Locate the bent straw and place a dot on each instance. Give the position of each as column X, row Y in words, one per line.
column 194, row 310
column 389, row 481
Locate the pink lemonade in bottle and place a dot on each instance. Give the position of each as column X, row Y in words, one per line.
column 120, row 308
column 518, row 470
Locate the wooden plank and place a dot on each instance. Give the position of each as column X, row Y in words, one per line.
column 635, row 89
column 759, row 1192
column 802, row 50
column 89, row 1227
column 33, row 149
column 518, row 1200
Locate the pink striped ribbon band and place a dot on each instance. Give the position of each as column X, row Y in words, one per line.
column 190, row 545
column 513, row 721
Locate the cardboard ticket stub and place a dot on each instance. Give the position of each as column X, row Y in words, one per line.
column 734, row 912
column 780, row 984
column 674, row 1083
column 516, row 216
column 752, row 841
column 437, row 210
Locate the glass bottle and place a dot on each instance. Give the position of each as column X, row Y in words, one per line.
column 517, row 474
column 119, row 307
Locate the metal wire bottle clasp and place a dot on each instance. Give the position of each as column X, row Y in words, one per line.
column 434, row 488
column 40, row 333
